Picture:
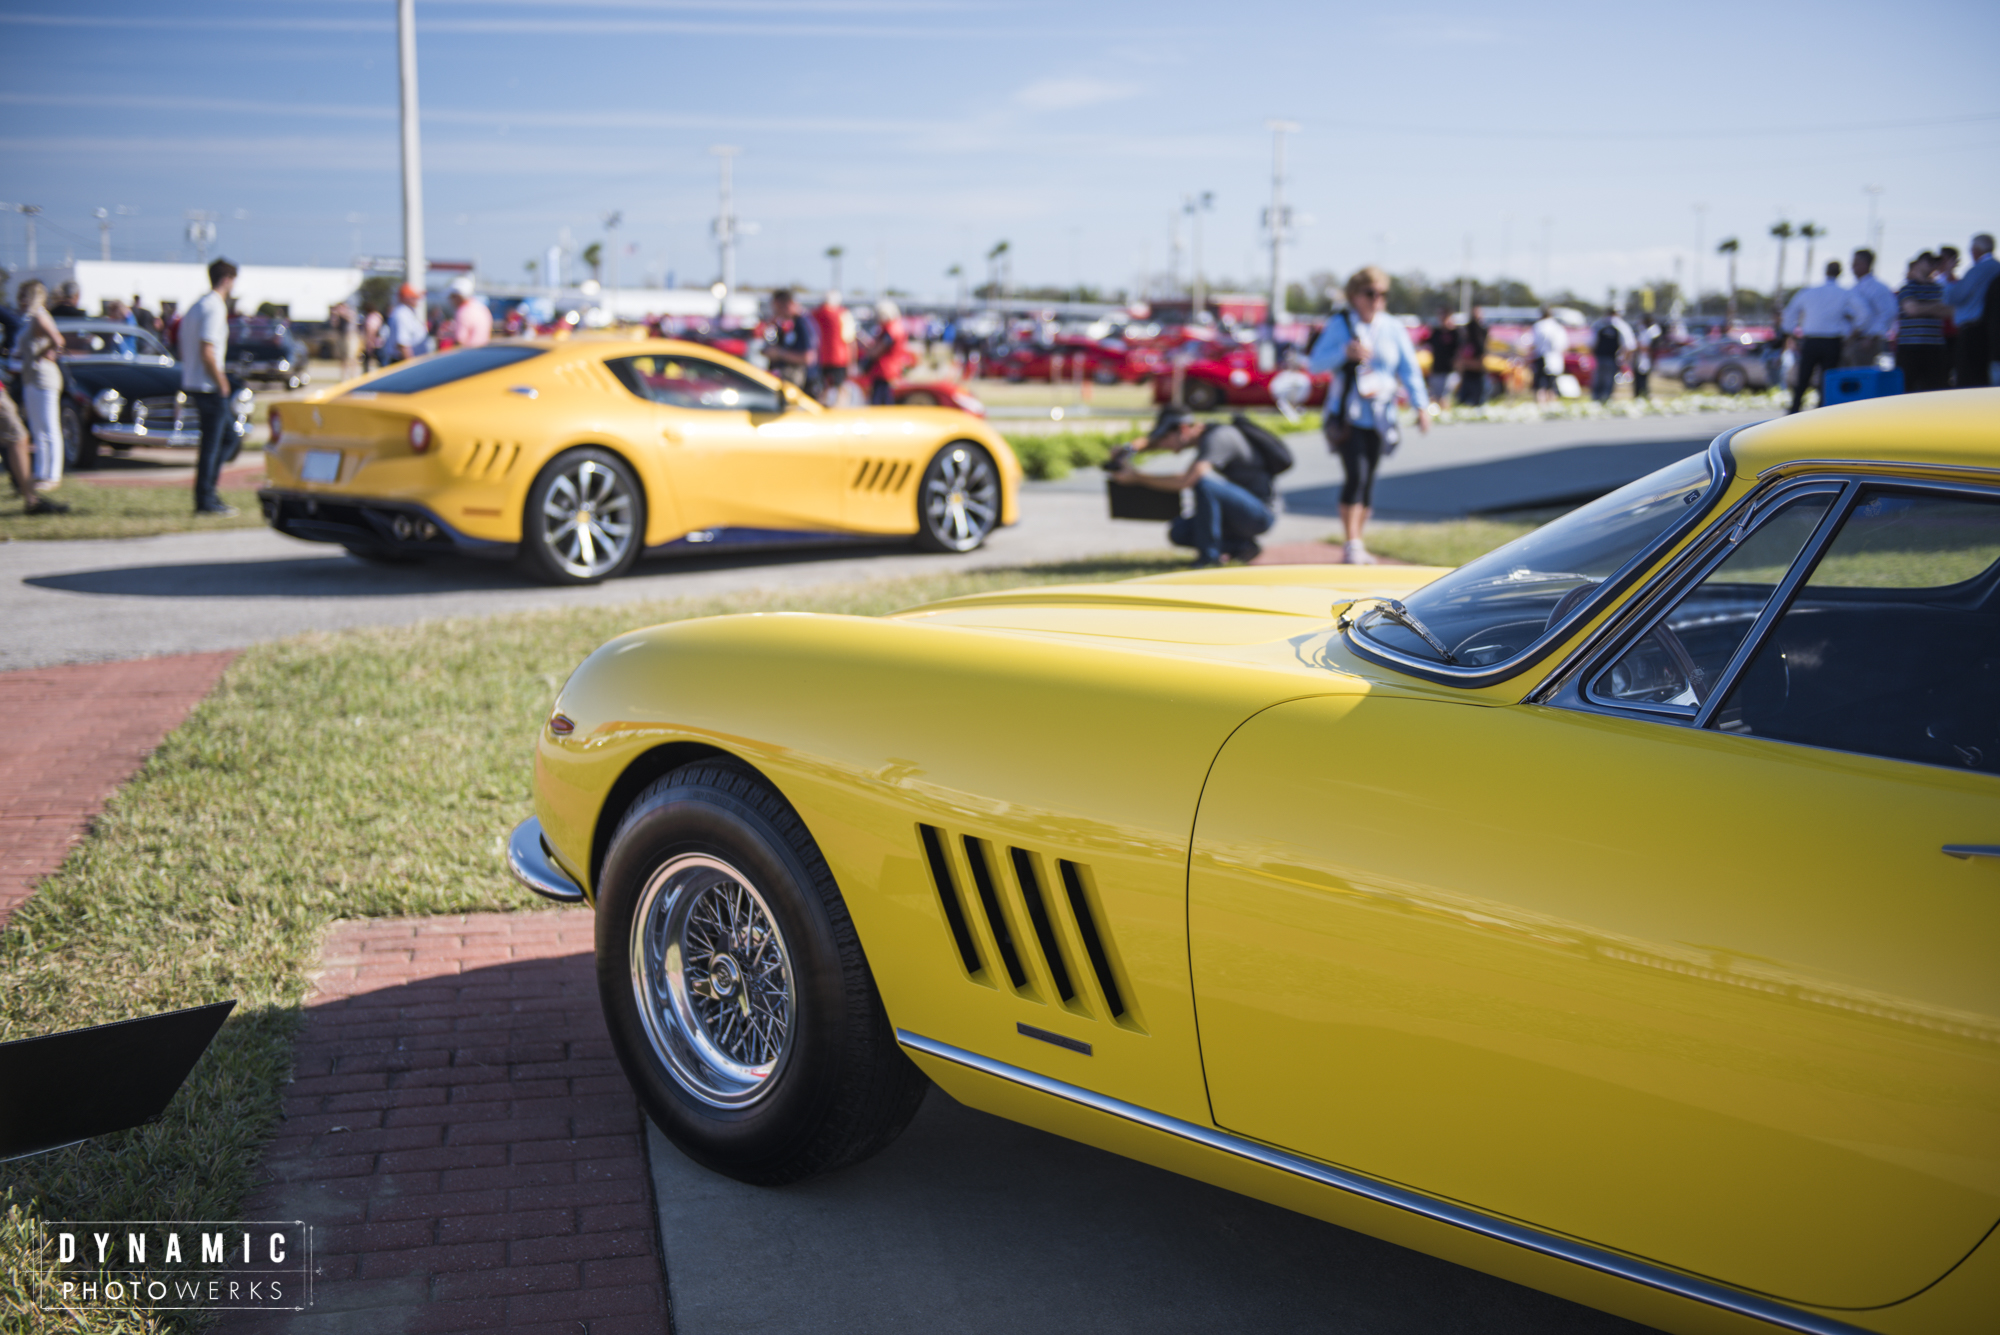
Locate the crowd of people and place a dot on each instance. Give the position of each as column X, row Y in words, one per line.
column 827, row 353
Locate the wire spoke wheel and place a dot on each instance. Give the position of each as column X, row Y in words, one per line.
column 584, row 518
column 713, row 980
column 960, row 502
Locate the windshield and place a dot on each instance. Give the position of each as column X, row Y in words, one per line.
column 1497, row 607
column 446, row 367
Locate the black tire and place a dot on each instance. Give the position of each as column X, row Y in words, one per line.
column 1732, row 379
column 958, row 501
column 79, row 446
column 1201, row 396
column 835, row 1087
column 618, row 515
column 1690, row 378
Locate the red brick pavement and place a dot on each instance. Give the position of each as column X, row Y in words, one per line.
column 462, row 1139
column 81, row 731
column 235, row 475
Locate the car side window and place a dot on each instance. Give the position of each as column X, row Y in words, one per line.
column 1681, row 657
column 693, row 382
column 1891, row 647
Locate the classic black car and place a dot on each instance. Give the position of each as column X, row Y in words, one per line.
column 266, row 351
column 121, row 388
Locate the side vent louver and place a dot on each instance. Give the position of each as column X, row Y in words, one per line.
column 954, row 912
column 996, row 917
column 1093, row 944
column 1038, row 914
column 882, row 475
column 1060, row 919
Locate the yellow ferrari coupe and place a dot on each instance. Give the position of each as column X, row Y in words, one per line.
column 1618, row 913
column 577, row 456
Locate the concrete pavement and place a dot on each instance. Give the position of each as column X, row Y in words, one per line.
column 67, row 602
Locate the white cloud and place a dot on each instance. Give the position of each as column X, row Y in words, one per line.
column 1070, row 94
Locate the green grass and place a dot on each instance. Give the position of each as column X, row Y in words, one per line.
column 365, row 773
column 123, row 512
column 1452, row 543
column 1046, row 455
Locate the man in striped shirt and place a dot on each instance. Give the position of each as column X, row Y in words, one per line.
column 1920, row 329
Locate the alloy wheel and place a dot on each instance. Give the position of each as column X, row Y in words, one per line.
column 961, row 498
column 713, row 980
column 587, row 519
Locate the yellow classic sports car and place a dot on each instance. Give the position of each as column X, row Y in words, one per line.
column 577, row 455
column 1618, row 913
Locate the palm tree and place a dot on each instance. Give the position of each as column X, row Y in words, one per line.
column 957, row 274
column 593, row 255
column 996, row 264
column 833, row 254
column 1811, row 232
column 1728, row 247
column 1783, row 231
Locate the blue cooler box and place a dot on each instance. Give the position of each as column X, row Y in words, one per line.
column 1858, row 382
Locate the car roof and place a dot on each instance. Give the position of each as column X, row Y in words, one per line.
column 1957, row 428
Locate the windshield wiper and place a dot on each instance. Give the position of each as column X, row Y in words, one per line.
column 1391, row 608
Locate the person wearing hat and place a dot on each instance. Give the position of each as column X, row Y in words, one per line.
column 407, row 334
column 471, row 322
column 1233, row 496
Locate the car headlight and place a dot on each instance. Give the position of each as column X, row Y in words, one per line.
column 284, row 363
column 245, row 399
column 107, row 404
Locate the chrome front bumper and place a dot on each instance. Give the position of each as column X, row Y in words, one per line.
column 529, row 859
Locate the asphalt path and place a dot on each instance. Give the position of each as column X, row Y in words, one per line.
column 972, row 1225
column 88, row 601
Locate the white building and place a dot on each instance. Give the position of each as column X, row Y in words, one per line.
column 307, row 292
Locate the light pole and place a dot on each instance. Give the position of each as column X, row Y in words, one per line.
column 201, row 232
column 103, row 234
column 725, row 224
column 28, row 212
column 1196, row 206
column 1700, row 218
column 1278, row 219
column 1874, row 193
column 611, row 222
column 416, row 271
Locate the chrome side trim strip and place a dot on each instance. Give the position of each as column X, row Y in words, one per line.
column 528, row 858
column 1777, row 1314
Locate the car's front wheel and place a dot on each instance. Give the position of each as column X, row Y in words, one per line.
column 585, row 519
column 958, row 505
column 79, row 446
column 1690, row 378
column 1732, row 379
column 735, row 988
column 1201, row 396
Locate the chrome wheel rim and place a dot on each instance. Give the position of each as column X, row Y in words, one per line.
column 962, row 498
column 713, row 979
column 587, row 519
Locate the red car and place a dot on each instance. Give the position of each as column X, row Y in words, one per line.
column 1234, row 380
column 1109, row 362
column 938, row 394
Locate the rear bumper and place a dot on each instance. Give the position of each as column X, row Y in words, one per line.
column 401, row 528
column 125, row 436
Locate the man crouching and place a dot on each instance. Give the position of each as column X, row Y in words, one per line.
column 1233, row 496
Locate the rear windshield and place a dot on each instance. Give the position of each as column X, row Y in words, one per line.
column 447, row 367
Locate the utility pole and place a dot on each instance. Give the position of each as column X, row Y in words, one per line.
column 725, row 224
column 1700, row 219
column 611, row 222
column 1277, row 220
column 103, row 234
column 201, row 232
column 1196, row 206
column 28, row 212
column 1465, row 283
column 416, row 270
column 1874, row 193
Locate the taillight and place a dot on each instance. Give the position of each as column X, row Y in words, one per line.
column 277, row 427
column 420, row 436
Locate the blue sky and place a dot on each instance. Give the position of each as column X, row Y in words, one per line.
column 916, row 133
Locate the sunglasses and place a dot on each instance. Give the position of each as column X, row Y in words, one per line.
column 1381, row 293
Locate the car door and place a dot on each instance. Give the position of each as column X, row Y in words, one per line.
column 1681, row 962
column 735, row 456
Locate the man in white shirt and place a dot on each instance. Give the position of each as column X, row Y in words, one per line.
column 204, row 346
column 1820, row 319
column 1547, row 342
column 407, row 334
column 1876, row 302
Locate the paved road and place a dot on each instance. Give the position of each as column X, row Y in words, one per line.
column 66, row 602
column 971, row 1225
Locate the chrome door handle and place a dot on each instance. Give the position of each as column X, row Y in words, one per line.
column 1966, row 851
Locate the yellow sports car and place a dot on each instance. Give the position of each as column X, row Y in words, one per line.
column 1618, row 913
column 578, row 455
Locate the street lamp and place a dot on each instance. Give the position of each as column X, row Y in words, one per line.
column 416, row 272
column 1277, row 219
column 1195, row 206
column 725, row 220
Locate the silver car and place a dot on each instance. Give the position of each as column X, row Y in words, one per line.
column 1732, row 364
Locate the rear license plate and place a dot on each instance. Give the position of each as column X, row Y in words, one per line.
column 320, row 466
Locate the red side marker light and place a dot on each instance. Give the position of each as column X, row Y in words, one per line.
column 561, row 725
column 420, row 436
column 277, row 427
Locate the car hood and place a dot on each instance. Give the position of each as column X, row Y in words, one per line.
column 1245, row 607
column 131, row 379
